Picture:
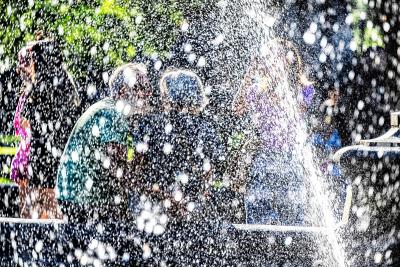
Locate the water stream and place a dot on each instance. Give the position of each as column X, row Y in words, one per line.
column 320, row 213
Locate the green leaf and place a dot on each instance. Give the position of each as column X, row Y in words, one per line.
column 64, row 9
column 131, row 51
column 9, row 139
column 110, row 7
column 4, row 180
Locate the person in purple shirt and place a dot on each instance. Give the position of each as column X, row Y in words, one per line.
column 275, row 192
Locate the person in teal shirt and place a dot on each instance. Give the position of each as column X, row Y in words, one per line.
column 94, row 164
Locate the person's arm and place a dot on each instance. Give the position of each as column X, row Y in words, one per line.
column 117, row 152
column 113, row 131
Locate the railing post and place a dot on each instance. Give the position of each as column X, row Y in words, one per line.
column 394, row 119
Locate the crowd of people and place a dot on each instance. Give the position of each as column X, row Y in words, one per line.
column 188, row 155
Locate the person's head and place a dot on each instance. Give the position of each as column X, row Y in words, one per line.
column 182, row 90
column 130, row 82
column 40, row 60
column 26, row 66
column 277, row 71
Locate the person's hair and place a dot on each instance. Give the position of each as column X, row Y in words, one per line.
column 273, row 65
column 182, row 90
column 47, row 58
column 130, row 75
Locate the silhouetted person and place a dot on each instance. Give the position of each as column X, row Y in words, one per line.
column 93, row 173
column 270, row 174
column 177, row 151
column 47, row 110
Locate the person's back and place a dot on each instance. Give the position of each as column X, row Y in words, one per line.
column 49, row 112
column 270, row 121
column 179, row 147
column 52, row 119
column 85, row 158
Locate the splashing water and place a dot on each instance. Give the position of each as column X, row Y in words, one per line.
column 321, row 209
column 320, row 212
column 323, row 206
